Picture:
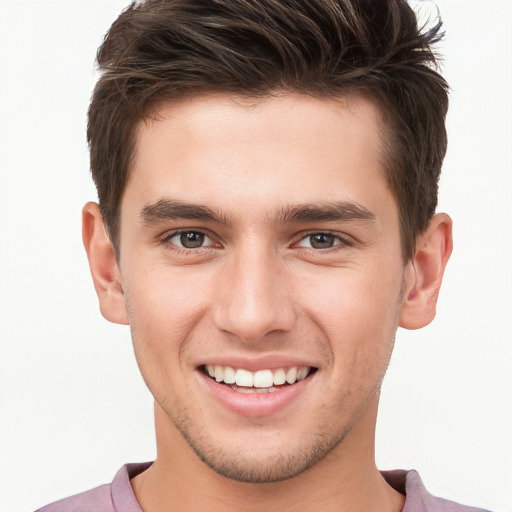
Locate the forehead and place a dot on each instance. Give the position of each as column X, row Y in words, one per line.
column 229, row 151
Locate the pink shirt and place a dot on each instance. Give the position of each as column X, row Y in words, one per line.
column 118, row 496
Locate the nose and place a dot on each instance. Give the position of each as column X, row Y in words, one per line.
column 254, row 296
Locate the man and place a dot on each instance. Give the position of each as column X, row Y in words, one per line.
column 267, row 177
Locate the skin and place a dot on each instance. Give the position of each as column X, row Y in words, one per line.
column 259, row 292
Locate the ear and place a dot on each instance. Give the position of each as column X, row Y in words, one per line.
column 102, row 262
column 424, row 273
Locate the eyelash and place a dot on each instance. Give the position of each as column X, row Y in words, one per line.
column 166, row 240
column 343, row 242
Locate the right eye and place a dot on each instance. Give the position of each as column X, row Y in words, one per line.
column 190, row 240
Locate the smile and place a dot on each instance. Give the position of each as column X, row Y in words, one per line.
column 261, row 381
column 257, row 392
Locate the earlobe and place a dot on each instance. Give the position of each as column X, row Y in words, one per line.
column 424, row 273
column 102, row 262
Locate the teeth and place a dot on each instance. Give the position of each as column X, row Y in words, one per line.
column 255, row 390
column 244, row 378
column 263, row 380
column 291, row 375
column 279, row 377
column 302, row 373
column 219, row 373
column 229, row 375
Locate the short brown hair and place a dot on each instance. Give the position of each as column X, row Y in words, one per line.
column 160, row 50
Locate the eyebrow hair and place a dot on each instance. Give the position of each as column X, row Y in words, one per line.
column 322, row 212
column 172, row 209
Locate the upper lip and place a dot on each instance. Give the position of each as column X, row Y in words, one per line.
column 253, row 364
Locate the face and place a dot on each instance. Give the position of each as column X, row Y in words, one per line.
column 261, row 265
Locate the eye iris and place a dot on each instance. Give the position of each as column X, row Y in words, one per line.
column 192, row 239
column 322, row 241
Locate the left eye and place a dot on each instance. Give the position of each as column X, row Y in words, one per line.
column 190, row 239
column 320, row 241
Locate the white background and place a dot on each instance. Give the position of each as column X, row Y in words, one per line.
column 73, row 407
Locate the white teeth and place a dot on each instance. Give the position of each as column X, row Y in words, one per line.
column 291, row 375
column 255, row 390
column 229, row 375
column 302, row 373
column 244, row 378
column 261, row 380
column 219, row 373
column 279, row 377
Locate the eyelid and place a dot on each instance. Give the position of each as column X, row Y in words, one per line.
column 169, row 235
column 342, row 239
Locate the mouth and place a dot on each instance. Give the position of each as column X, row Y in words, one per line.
column 261, row 381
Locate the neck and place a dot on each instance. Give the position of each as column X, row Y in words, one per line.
column 346, row 479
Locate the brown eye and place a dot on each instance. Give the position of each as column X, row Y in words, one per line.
column 189, row 240
column 322, row 241
column 192, row 239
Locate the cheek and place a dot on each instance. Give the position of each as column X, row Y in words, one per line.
column 361, row 298
column 357, row 311
column 163, row 309
column 163, row 313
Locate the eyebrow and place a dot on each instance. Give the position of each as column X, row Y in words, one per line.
column 325, row 212
column 172, row 209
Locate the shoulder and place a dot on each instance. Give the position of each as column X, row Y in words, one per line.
column 114, row 497
column 417, row 498
column 98, row 499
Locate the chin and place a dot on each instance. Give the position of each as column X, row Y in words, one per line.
column 257, row 469
column 266, row 459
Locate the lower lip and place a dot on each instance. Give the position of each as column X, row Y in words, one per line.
column 254, row 404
